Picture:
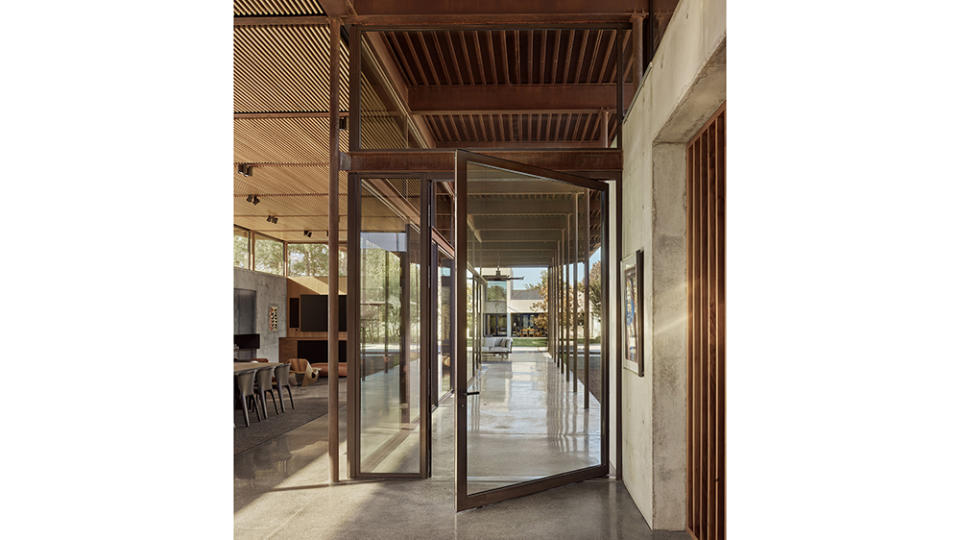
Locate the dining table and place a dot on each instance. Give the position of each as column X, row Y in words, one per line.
column 240, row 367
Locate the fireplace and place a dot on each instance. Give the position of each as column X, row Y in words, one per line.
column 315, row 350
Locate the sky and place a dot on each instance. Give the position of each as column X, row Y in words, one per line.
column 531, row 276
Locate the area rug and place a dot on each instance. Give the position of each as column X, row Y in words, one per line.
column 311, row 403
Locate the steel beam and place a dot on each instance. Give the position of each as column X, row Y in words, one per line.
column 543, row 98
column 442, row 161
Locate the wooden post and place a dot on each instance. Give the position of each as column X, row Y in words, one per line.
column 333, row 265
column 638, row 53
column 605, row 126
column 619, row 88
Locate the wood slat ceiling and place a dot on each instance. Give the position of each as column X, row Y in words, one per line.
column 543, row 130
column 286, row 69
column 512, row 57
column 542, row 56
column 276, row 7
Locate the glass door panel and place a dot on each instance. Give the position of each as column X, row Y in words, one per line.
column 526, row 420
column 389, row 376
column 445, row 291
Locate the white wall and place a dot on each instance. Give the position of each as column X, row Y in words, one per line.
column 685, row 84
column 271, row 290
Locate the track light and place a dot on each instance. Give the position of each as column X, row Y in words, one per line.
column 308, row 234
column 245, row 169
column 272, row 219
column 253, row 199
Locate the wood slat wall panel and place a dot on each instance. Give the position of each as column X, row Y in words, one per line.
column 706, row 181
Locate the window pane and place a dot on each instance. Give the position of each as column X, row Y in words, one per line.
column 241, row 248
column 389, row 337
column 307, row 260
column 268, row 255
column 311, row 260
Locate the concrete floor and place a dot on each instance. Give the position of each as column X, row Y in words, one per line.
column 281, row 488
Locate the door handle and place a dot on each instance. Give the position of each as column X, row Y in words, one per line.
column 473, row 393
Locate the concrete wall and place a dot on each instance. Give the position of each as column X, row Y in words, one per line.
column 684, row 86
column 271, row 290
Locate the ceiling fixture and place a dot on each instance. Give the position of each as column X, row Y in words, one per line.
column 308, row 234
column 499, row 276
column 272, row 219
column 253, row 199
column 245, row 169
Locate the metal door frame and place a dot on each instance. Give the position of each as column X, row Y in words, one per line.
column 464, row 500
column 353, row 326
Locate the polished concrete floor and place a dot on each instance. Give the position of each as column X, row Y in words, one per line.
column 528, row 422
column 281, row 488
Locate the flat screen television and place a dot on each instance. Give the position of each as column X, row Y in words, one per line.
column 247, row 341
column 313, row 312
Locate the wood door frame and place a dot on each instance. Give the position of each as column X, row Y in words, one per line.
column 465, row 500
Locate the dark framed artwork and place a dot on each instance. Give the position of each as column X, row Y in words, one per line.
column 631, row 269
column 641, row 312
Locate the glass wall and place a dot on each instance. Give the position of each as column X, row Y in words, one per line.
column 311, row 260
column 268, row 255
column 241, row 248
column 389, row 340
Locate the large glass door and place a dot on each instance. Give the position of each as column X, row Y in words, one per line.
column 531, row 412
column 388, row 386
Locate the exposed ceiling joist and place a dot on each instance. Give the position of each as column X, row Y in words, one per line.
column 437, row 161
column 555, row 98
column 493, row 12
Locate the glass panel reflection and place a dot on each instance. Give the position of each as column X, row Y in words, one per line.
column 445, row 291
column 389, row 397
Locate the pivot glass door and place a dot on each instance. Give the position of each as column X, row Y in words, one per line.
column 531, row 411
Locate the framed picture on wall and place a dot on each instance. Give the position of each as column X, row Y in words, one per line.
column 641, row 313
column 631, row 276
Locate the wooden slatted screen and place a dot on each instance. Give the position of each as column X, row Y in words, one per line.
column 706, row 181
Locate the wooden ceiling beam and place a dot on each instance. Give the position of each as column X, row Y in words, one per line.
column 389, row 74
column 477, row 99
column 539, row 145
column 490, row 12
column 599, row 160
